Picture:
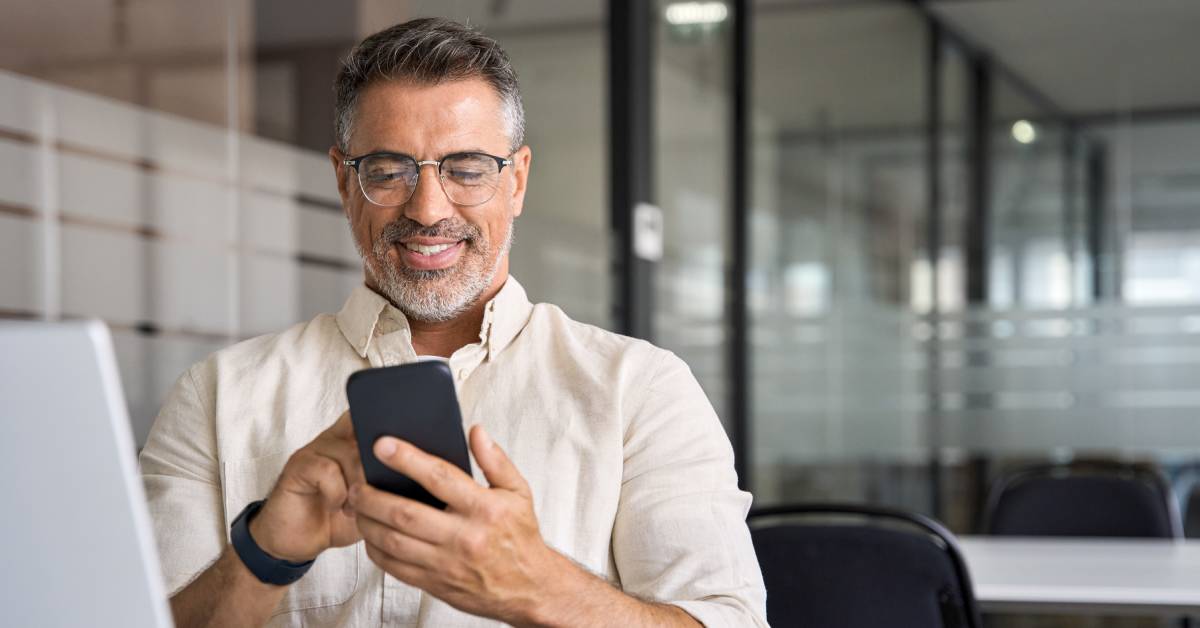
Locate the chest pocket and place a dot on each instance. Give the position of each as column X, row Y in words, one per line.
column 332, row 579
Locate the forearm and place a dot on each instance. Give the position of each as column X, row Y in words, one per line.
column 579, row 598
column 226, row 594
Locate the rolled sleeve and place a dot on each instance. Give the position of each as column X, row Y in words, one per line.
column 182, row 480
column 680, row 535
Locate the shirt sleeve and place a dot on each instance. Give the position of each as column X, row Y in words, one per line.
column 680, row 535
column 182, row 479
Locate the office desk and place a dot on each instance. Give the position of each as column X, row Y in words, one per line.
column 1141, row 577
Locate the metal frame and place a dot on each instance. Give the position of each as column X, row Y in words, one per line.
column 976, row 238
column 739, row 307
column 933, row 249
column 631, row 158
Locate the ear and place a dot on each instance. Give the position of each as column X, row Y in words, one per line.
column 342, row 172
column 521, row 161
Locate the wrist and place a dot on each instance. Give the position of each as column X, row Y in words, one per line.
column 263, row 530
column 561, row 594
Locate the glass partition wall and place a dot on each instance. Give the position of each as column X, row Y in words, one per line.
column 971, row 251
column 837, row 242
column 692, row 180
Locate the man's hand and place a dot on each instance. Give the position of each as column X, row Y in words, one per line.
column 483, row 555
column 305, row 514
column 307, row 511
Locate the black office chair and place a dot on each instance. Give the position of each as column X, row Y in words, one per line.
column 848, row 566
column 1087, row 499
column 1186, row 485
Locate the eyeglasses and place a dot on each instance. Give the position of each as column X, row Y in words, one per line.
column 389, row 179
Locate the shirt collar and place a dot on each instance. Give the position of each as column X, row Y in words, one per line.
column 366, row 310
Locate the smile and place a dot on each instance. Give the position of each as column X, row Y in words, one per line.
column 430, row 255
column 428, row 249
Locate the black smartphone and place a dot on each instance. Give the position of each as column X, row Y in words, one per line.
column 414, row 402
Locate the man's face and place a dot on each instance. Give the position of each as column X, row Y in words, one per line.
column 432, row 257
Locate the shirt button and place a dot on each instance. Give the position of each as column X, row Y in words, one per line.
column 462, row 374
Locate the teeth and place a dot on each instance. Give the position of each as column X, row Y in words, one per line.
column 427, row 250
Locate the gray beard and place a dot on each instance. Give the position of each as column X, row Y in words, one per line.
column 436, row 296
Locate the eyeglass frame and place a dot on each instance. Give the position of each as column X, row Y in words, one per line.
column 353, row 162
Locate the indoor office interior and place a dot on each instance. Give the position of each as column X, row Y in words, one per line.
column 912, row 250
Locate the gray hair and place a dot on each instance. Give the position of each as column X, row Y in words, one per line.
column 427, row 51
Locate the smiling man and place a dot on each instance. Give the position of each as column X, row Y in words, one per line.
column 603, row 489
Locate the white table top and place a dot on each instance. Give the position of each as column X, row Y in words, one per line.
column 1085, row 575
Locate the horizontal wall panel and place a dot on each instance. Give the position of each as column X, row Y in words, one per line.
column 101, row 189
column 317, row 178
column 99, row 124
column 125, row 279
column 122, row 194
column 18, row 264
column 181, row 145
column 18, row 174
column 20, row 100
column 324, row 290
column 268, row 222
column 104, row 274
column 190, row 288
column 270, row 294
column 286, row 170
column 139, row 135
column 190, row 209
column 269, row 166
column 326, row 234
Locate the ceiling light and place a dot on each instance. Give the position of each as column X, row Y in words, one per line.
column 683, row 13
column 1023, row 131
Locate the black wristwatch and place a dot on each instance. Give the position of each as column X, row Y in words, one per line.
column 264, row 566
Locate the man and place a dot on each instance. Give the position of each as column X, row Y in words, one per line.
column 604, row 491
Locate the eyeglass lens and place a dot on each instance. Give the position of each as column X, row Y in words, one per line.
column 467, row 178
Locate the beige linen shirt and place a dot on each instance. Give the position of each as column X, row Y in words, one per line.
column 631, row 472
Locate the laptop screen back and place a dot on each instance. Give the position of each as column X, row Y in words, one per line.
column 76, row 543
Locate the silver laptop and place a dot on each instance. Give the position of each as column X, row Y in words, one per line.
column 76, row 545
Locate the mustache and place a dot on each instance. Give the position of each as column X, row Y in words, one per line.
column 404, row 228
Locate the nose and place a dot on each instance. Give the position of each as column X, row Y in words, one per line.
column 429, row 203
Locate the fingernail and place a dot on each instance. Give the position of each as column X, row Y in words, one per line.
column 385, row 446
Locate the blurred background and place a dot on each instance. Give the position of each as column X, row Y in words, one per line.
column 906, row 246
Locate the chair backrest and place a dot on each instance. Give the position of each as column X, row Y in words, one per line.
column 849, row 566
column 1186, row 484
column 1092, row 499
column 1191, row 521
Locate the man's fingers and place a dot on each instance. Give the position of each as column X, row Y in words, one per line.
column 346, row 454
column 397, row 545
column 497, row 468
column 338, row 442
column 408, row 516
column 407, row 573
column 444, row 480
column 324, row 475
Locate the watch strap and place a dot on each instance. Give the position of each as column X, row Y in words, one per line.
column 265, row 567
